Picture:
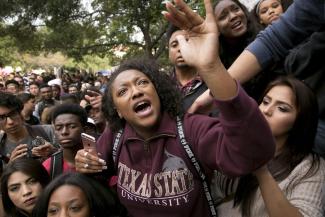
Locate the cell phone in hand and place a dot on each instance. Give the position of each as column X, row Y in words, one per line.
column 36, row 142
column 89, row 143
column 92, row 93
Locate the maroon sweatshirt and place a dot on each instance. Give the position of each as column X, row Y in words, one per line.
column 156, row 177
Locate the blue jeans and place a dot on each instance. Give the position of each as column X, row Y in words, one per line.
column 320, row 139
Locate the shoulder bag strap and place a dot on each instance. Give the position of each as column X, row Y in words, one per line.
column 188, row 150
column 116, row 146
column 196, row 165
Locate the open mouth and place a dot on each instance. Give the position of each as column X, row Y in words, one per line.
column 142, row 107
column 236, row 25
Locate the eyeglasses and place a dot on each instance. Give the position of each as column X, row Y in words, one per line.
column 13, row 115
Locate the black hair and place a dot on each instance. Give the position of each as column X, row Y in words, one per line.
column 72, row 98
column 34, row 83
column 228, row 52
column 74, row 109
column 299, row 144
column 44, row 86
column 28, row 166
column 301, row 137
column 169, row 95
column 24, row 97
column 102, row 201
column 10, row 101
column 74, row 85
column 284, row 3
column 170, row 31
column 12, row 81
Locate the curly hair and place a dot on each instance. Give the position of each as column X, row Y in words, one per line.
column 169, row 96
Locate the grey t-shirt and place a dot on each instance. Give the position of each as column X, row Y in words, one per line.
column 10, row 145
column 44, row 131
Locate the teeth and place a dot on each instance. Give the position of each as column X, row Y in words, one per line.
column 141, row 103
column 140, row 106
column 236, row 24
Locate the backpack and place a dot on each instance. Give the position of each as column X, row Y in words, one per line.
column 56, row 167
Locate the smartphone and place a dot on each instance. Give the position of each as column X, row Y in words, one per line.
column 89, row 143
column 92, row 93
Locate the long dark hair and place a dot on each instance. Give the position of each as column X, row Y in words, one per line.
column 102, row 202
column 27, row 166
column 170, row 98
column 299, row 143
column 229, row 53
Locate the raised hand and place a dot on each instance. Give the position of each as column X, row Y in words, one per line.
column 199, row 47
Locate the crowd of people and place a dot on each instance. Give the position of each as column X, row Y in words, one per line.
column 234, row 128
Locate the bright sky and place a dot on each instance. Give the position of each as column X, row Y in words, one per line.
column 249, row 3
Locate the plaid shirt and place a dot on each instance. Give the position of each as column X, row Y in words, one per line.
column 190, row 86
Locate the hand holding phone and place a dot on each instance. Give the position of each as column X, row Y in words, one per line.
column 89, row 143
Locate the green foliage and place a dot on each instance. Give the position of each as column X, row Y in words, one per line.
column 106, row 29
column 8, row 52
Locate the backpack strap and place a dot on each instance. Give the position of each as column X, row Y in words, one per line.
column 56, row 167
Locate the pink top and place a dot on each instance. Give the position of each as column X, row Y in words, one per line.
column 66, row 167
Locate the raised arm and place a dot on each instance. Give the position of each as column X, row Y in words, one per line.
column 202, row 38
column 300, row 20
column 245, row 67
column 219, row 143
